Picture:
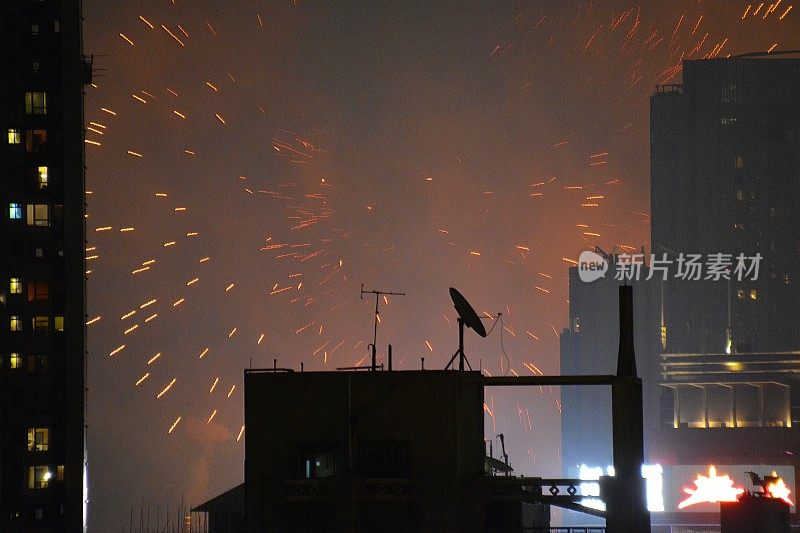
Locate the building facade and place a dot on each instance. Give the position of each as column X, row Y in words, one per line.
column 718, row 358
column 374, row 451
column 725, row 179
column 363, row 449
column 42, row 266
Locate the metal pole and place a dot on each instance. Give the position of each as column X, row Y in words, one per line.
column 460, row 345
column 375, row 331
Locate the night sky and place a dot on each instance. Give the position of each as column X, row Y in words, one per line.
column 251, row 164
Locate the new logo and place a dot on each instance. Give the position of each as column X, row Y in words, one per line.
column 591, row 266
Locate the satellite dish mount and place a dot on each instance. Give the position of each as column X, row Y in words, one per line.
column 466, row 317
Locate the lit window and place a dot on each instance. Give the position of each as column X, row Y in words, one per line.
column 60, row 473
column 740, row 294
column 15, row 211
column 34, row 29
column 39, row 252
column 739, row 195
column 753, row 294
column 15, row 286
column 41, row 177
column 38, row 291
column 39, row 477
column 59, row 323
column 14, row 136
column 38, row 439
column 16, row 323
column 56, row 26
column 41, row 324
column 317, row 465
column 739, row 161
column 38, row 215
column 15, row 361
column 36, row 103
column 35, row 67
column 35, row 140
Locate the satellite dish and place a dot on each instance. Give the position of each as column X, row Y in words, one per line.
column 497, row 465
column 466, row 317
column 467, row 313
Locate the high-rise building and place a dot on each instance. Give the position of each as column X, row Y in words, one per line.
column 42, row 266
column 725, row 179
column 719, row 358
column 589, row 345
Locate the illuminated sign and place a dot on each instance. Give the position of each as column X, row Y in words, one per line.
column 778, row 489
column 691, row 488
column 723, row 483
column 711, row 489
column 653, row 482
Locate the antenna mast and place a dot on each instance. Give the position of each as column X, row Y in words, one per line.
column 378, row 295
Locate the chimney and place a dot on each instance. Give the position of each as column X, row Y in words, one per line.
column 626, row 360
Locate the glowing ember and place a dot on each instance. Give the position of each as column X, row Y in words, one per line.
column 711, row 489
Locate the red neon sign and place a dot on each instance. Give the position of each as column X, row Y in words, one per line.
column 711, row 489
column 778, row 489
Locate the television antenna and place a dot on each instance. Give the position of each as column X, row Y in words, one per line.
column 466, row 317
column 378, row 295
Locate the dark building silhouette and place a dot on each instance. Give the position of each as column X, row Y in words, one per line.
column 725, row 178
column 755, row 514
column 374, row 451
column 42, row 317
column 368, row 450
column 225, row 513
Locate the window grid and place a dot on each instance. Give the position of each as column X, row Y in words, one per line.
column 36, row 103
column 15, row 286
column 38, row 215
column 42, row 177
column 38, row 477
column 35, row 140
column 38, row 439
column 41, row 324
column 15, row 211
